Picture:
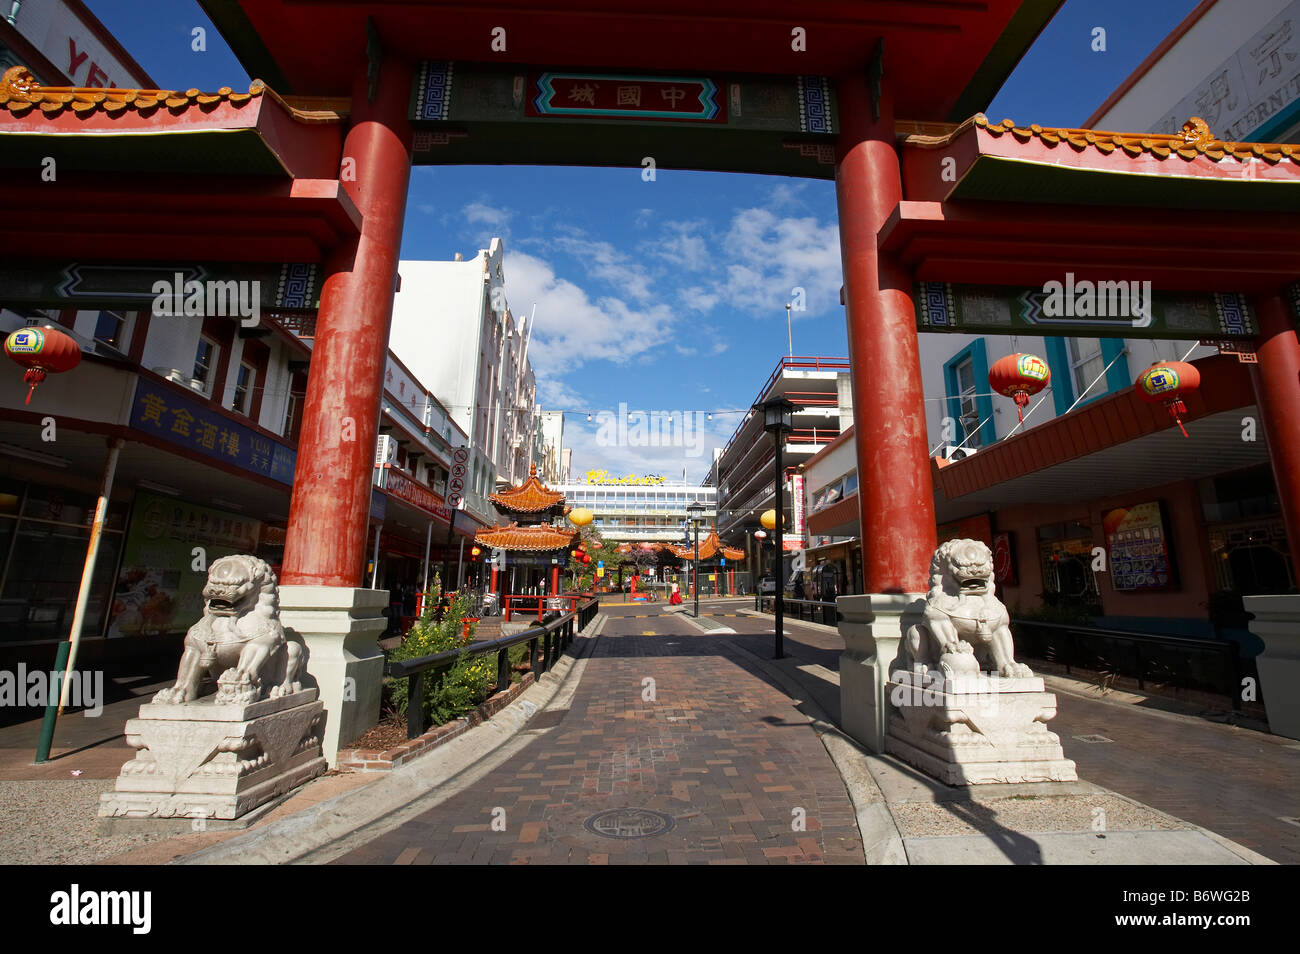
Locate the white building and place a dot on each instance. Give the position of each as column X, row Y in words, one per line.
column 640, row 509
column 551, row 465
column 453, row 327
column 1236, row 65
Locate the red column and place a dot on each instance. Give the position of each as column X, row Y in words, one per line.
column 555, row 579
column 1276, row 380
column 895, row 498
column 330, row 507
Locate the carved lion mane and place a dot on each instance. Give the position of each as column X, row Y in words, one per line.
column 966, row 627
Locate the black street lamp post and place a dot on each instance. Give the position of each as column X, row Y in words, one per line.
column 695, row 510
column 778, row 420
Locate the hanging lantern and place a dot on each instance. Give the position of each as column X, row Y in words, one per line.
column 761, row 534
column 596, row 545
column 475, row 552
column 1165, row 382
column 580, row 517
column 1019, row 376
column 41, row 350
column 768, row 519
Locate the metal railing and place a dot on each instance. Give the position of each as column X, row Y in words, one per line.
column 538, row 604
column 812, row 611
column 1177, row 661
column 546, row 643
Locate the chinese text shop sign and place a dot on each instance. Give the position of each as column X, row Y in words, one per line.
column 187, row 423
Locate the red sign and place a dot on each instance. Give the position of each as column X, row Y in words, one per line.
column 398, row 485
column 1004, row 564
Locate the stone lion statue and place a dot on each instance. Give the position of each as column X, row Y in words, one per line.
column 239, row 636
column 966, row 628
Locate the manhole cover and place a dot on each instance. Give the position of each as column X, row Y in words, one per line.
column 1093, row 738
column 629, row 823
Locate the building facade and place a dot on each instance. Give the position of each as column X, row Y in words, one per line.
column 743, row 472
column 640, row 509
column 453, row 325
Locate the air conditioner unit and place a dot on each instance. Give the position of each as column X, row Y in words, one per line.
column 385, row 450
column 953, row 452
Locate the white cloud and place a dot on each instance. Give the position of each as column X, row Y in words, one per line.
column 482, row 213
column 755, row 264
column 604, row 262
column 573, row 328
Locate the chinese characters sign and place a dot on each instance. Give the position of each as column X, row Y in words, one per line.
column 680, row 99
column 179, row 420
column 398, row 485
column 1252, row 90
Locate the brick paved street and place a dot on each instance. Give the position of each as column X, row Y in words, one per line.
column 718, row 750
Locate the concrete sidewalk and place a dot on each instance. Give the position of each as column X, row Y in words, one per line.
column 1052, row 823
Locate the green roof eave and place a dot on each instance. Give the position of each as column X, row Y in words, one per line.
column 1002, row 179
column 198, row 152
column 1029, row 21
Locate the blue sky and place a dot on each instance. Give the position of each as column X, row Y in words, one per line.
column 666, row 295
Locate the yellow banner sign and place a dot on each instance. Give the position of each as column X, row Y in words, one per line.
column 604, row 477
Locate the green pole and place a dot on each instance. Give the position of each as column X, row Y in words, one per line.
column 51, row 708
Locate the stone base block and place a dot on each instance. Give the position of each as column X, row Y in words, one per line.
column 1277, row 623
column 974, row 730
column 202, row 760
column 871, row 625
column 340, row 626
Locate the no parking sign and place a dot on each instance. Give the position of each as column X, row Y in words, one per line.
column 456, row 482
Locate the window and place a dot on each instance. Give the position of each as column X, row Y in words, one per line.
column 966, row 391
column 110, row 329
column 1086, row 363
column 205, row 364
column 243, row 388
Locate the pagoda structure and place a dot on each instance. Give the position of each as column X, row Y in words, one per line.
column 710, row 548
column 535, row 535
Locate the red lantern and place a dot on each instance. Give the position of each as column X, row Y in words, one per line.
column 475, row 551
column 1019, row 376
column 1165, row 382
column 41, row 350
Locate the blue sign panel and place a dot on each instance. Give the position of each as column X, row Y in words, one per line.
column 187, row 423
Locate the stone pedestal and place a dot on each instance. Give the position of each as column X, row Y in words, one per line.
column 340, row 626
column 871, row 625
column 203, row 760
column 973, row 730
column 1277, row 623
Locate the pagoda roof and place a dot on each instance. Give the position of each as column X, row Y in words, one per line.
column 225, row 132
column 1004, row 203
column 710, row 547
column 943, row 59
column 537, row 537
column 171, row 176
column 532, row 496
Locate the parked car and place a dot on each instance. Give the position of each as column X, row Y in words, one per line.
column 767, row 586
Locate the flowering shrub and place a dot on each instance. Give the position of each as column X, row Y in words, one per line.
column 454, row 691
